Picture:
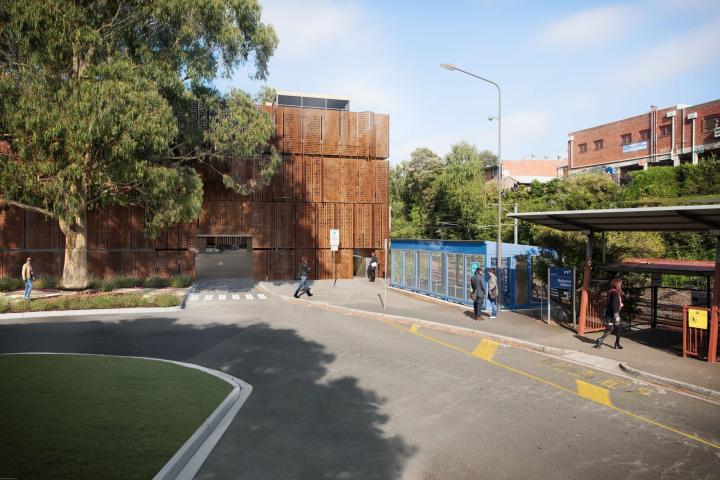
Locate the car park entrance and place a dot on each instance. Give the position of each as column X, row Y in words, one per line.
column 223, row 256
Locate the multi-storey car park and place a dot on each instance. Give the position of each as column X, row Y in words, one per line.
column 334, row 175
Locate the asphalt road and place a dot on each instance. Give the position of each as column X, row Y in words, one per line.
column 338, row 397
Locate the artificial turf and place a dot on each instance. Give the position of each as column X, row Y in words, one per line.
column 90, row 417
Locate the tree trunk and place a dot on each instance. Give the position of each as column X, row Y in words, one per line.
column 75, row 271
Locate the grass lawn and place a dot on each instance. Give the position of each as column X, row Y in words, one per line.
column 85, row 417
column 86, row 302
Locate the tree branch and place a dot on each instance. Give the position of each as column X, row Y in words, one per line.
column 30, row 208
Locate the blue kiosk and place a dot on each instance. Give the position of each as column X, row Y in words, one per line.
column 443, row 268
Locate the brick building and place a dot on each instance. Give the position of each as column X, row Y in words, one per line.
column 334, row 174
column 662, row 136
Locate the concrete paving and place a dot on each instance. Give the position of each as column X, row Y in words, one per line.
column 646, row 351
column 338, row 397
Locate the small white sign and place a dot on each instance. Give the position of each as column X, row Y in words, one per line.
column 333, row 248
column 334, row 237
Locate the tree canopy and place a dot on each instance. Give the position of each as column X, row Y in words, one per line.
column 92, row 95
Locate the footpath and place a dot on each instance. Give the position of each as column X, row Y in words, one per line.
column 641, row 357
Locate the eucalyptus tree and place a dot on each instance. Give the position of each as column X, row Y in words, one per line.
column 92, row 98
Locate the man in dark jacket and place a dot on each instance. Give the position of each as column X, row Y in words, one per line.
column 477, row 283
column 372, row 267
column 303, row 278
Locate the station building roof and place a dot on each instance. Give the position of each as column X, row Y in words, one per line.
column 694, row 218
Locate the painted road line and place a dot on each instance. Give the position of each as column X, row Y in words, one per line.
column 222, row 297
column 249, row 296
column 235, row 296
column 413, row 328
column 593, row 392
column 261, row 296
column 208, row 297
column 486, row 349
column 560, row 387
column 194, row 297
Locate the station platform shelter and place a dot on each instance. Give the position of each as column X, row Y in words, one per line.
column 443, row 268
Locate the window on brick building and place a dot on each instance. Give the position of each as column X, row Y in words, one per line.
column 582, row 147
column 598, row 144
column 644, row 134
column 665, row 130
column 710, row 123
column 625, row 138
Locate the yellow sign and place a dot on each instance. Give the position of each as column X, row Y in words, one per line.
column 697, row 318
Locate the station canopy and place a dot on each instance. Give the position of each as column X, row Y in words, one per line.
column 694, row 218
column 698, row 268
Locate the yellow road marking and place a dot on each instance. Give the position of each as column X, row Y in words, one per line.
column 573, row 392
column 414, row 328
column 486, row 349
column 593, row 392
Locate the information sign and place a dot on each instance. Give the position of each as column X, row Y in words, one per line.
column 697, row 318
column 334, row 238
column 474, row 266
column 561, row 278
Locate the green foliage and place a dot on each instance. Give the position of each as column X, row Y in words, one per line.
column 653, row 182
column 181, row 281
column 156, row 282
column 9, row 284
column 165, row 300
column 5, row 306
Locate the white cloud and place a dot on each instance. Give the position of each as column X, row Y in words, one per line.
column 589, row 27
column 681, row 53
column 311, row 28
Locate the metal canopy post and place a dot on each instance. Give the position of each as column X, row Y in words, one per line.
column 713, row 347
column 585, row 297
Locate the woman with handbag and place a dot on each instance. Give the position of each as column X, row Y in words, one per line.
column 612, row 313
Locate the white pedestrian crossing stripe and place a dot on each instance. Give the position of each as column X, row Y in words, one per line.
column 236, row 296
column 208, row 297
column 221, row 297
column 194, row 297
column 224, row 296
column 261, row 296
column 249, row 296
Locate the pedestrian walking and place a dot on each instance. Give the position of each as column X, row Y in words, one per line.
column 372, row 267
column 477, row 284
column 303, row 278
column 492, row 293
column 611, row 314
column 28, row 276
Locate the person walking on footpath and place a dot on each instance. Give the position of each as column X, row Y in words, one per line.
column 611, row 314
column 492, row 293
column 372, row 268
column 28, row 276
column 303, row 277
column 477, row 283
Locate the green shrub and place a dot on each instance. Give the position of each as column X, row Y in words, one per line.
column 653, row 182
column 8, row 284
column 181, row 281
column 123, row 282
column 4, row 306
column 46, row 282
column 93, row 301
column 96, row 283
column 156, row 282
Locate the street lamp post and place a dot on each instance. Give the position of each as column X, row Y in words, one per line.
column 450, row 66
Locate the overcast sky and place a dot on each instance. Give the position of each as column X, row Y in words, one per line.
column 563, row 66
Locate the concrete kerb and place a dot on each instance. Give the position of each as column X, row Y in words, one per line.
column 187, row 461
column 571, row 356
column 665, row 381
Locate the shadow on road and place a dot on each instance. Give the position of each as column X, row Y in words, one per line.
column 295, row 425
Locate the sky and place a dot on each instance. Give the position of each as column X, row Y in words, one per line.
column 562, row 66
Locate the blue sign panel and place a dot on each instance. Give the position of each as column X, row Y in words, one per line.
column 561, row 278
column 474, row 266
column 634, row 147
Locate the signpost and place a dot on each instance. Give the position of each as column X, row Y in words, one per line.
column 697, row 318
column 561, row 283
column 334, row 245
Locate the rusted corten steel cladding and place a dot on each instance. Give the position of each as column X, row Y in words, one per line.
column 335, row 174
